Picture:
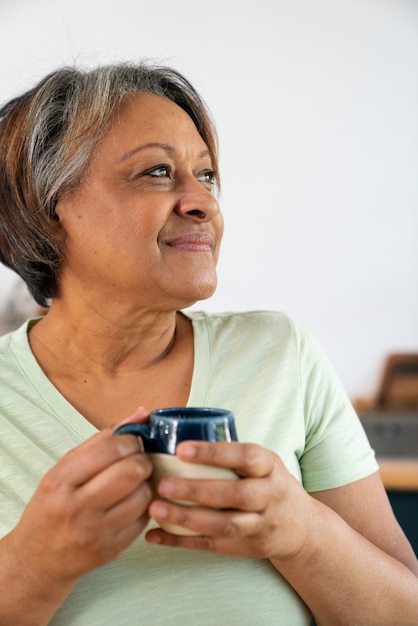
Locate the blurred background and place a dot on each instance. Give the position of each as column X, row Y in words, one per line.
column 316, row 107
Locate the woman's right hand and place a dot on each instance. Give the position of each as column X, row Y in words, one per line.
column 88, row 508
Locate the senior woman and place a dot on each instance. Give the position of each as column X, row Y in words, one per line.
column 109, row 212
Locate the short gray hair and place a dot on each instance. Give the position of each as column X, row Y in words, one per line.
column 47, row 137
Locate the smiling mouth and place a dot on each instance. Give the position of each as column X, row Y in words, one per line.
column 191, row 242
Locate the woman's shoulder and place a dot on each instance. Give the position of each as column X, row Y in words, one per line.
column 263, row 326
column 248, row 317
column 251, row 321
column 15, row 342
column 260, row 329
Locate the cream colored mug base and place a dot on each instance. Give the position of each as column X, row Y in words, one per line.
column 171, row 465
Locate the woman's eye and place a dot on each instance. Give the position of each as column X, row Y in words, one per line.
column 207, row 178
column 161, row 171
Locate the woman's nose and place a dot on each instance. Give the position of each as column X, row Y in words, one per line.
column 197, row 203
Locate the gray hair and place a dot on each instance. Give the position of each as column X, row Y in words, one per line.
column 47, row 137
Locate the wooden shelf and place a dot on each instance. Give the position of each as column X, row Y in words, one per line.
column 399, row 474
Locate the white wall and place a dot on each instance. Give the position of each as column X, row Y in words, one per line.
column 316, row 105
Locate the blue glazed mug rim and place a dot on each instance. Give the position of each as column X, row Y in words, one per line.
column 188, row 412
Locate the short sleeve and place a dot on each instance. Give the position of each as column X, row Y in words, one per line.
column 337, row 451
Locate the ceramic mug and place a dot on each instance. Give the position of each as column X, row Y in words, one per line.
column 170, row 426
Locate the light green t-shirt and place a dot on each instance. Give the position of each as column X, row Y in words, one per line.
column 273, row 376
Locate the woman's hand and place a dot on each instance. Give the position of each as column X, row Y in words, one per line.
column 89, row 507
column 268, row 514
column 263, row 515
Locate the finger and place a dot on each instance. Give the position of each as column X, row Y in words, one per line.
column 80, row 464
column 127, row 535
column 219, row 545
column 247, row 494
column 246, row 459
column 102, row 532
column 231, row 525
column 204, row 521
column 116, row 482
column 168, row 540
column 112, row 543
column 132, row 508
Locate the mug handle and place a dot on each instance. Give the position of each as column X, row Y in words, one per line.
column 139, row 430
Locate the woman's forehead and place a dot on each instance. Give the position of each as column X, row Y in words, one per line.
column 147, row 118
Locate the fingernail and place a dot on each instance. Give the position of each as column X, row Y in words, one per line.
column 159, row 510
column 166, row 487
column 188, row 450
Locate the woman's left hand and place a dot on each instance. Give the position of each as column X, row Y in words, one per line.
column 266, row 514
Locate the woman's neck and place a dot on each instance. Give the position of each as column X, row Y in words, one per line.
column 106, row 369
column 107, row 341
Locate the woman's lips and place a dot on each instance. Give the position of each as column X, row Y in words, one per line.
column 191, row 242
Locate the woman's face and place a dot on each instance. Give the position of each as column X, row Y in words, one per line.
column 145, row 224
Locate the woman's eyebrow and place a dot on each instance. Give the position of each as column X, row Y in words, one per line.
column 155, row 144
column 162, row 146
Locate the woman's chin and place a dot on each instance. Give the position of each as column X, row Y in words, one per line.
column 197, row 291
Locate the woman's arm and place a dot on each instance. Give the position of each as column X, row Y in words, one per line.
column 345, row 555
column 88, row 508
column 365, row 506
column 359, row 568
